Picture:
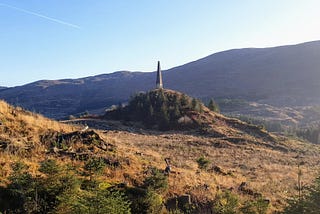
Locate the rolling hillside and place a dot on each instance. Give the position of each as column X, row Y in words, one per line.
column 241, row 159
column 278, row 76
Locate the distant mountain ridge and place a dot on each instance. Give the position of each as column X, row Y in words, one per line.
column 60, row 98
column 273, row 75
column 280, row 76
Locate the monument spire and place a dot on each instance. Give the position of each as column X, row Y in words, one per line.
column 159, row 77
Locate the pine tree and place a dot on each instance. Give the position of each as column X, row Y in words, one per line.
column 164, row 119
column 176, row 112
column 184, row 101
column 195, row 105
column 213, row 106
column 149, row 119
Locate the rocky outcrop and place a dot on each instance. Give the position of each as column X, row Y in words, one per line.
column 79, row 145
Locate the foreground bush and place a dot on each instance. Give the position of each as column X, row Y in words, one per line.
column 309, row 204
column 59, row 190
column 94, row 202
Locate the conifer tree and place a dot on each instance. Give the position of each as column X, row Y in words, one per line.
column 195, row 105
column 164, row 119
column 184, row 101
column 213, row 106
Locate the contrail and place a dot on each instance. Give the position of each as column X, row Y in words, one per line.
column 41, row 16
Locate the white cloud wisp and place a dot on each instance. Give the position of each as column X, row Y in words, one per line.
column 41, row 16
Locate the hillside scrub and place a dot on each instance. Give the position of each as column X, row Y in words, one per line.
column 58, row 190
column 20, row 130
column 68, row 169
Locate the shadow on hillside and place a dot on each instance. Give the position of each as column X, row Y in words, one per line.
column 127, row 126
column 214, row 138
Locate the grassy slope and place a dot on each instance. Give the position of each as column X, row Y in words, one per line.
column 20, row 130
column 266, row 169
column 270, row 172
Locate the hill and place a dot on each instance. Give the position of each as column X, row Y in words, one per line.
column 165, row 109
column 24, row 128
column 278, row 76
column 226, row 156
column 61, row 98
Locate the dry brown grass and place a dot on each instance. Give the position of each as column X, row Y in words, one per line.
column 20, row 119
column 272, row 172
column 23, row 128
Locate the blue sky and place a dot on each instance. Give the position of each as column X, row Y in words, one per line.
column 56, row 39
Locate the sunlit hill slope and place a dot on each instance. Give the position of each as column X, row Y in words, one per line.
column 209, row 154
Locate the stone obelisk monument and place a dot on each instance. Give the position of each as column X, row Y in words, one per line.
column 159, row 77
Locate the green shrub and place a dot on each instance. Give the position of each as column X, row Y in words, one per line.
column 37, row 194
column 226, row 203
column 157, row 181
column 49, row 167
column 94, row 166
column 203, row 162
column 259, row 206
column 21, row 194
column 101, row 202
column 144, row 201
column 19, row 167
column 153, row 202
column 309, row 204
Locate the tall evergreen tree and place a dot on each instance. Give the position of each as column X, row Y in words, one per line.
column 213, row 106
column 195, row 105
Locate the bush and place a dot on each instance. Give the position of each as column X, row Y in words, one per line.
column 94, row 166
column 226, row 203
column 203, row 162
column 49, row 167
column 157, row 181
column 144, row 201
column 21, row 194
column 100, row 201
column 35, row 194
column 19, row 167
column 259, row 206
column 153, row 202
column 308, row 204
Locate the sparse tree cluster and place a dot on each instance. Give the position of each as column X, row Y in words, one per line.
column 311, row 133
column 59, row 190
column 157, row 108
column 272, row 126
column 62, row 189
